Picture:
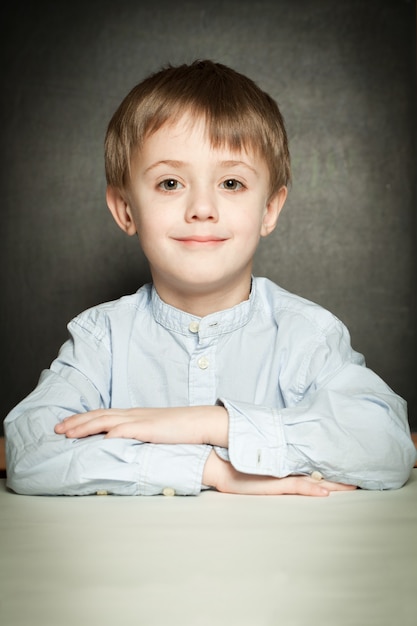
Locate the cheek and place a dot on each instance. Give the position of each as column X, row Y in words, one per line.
column 146, row 231
column 250, row 223
column 152, row 233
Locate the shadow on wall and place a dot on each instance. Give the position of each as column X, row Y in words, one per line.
column 346, row 238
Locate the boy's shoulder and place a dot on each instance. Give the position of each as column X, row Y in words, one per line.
column 97, row 316
column 284, row 305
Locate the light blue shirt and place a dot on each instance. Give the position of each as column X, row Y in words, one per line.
column 298, row 397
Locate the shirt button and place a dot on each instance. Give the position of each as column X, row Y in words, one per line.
column 193, row 327
column 168, row 491
column 203, row 363
column 316, row 475
column 101, row 492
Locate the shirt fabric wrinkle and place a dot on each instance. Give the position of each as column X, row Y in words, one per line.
column 271, row 361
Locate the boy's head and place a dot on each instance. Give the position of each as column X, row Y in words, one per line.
column 237, row 114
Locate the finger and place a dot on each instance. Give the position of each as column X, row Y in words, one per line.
column 74, row 420
column 81, row 418
column 331, row 486
column 305, row 486
column 93, row 426
column 290, row 485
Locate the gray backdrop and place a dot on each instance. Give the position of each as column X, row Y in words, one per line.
column 343, row 74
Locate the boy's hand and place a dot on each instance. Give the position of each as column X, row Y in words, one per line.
column 225, row 478
column 191, row 424
column 195, row 425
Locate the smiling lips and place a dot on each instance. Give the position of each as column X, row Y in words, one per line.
column 200, row 240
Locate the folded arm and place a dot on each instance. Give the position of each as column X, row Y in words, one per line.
column 336, row 417
column 353, row 429
column 191, row 425
column 42, row 462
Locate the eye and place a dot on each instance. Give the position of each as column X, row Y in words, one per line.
column 170, row 184
column 231, row 184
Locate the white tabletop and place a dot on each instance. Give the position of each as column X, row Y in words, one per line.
column 346, row 560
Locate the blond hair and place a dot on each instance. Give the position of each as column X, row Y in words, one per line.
column 237, row 113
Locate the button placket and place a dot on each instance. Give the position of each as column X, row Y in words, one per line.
column 202, row 375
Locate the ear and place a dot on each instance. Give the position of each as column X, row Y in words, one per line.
column 120, row 210
column 272, row 211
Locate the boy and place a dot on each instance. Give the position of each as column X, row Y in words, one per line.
column 208, row 377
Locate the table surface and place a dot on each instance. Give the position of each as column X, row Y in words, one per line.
column 215, row 559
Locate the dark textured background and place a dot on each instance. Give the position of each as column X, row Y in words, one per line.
column 343, row 74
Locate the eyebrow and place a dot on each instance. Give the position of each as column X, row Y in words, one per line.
column 232, row 163
column 178, row 164
column 171, row 163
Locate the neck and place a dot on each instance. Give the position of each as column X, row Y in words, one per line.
column 200, row 302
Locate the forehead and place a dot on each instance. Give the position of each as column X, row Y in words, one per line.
column 190, row 129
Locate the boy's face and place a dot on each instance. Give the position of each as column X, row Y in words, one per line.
column 199, row 212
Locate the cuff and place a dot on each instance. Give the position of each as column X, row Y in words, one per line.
column 256, row 439
column 173, row 469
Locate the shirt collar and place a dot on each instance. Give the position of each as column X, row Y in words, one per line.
column 214, row 324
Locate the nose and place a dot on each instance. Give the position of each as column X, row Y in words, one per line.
column 201, row 205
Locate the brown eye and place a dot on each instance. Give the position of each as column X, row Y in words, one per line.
column 170, row 184
column 232, row 184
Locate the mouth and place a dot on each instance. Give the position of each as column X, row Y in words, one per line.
column 198, row 241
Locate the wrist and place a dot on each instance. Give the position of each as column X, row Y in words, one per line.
column 215, row 426
column 211, row 470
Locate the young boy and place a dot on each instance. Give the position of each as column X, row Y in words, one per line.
column 208, row 377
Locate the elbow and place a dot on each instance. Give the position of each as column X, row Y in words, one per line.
column 392, row 454
column 390, row 469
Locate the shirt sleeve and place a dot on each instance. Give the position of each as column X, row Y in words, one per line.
column 340, row 419
column 40, row 462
